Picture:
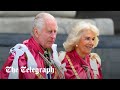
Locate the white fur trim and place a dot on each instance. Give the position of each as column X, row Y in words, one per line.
column 61, row 55
column 94, row 56
column 55, row 55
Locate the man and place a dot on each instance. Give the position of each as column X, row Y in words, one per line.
column 34, row 59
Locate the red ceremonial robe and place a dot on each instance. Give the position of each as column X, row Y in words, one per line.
column 34, row 48
column 78, row 64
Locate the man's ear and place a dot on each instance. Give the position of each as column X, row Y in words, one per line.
column 36, row 32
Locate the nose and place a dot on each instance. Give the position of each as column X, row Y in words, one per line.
column 53, row 35
column 91, row 42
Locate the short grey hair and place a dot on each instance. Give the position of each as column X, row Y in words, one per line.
column 40, row 20
column 76, row 32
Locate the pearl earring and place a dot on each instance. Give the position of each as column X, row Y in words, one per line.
column 76, row 45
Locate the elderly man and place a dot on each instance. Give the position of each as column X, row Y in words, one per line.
column 34, row 58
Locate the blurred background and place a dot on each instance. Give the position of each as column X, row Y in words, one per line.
column 16, row 26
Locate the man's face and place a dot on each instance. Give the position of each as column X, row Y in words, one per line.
column 48, row 35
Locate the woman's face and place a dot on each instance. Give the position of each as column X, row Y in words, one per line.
column 86, row 43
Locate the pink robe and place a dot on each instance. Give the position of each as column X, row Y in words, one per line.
column 34, row 49
column 77, row 62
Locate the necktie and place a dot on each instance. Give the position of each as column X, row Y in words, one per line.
column 47, row 66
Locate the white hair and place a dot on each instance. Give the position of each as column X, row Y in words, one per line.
column 77, row 31
column 40, row 20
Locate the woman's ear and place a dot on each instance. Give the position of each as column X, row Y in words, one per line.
column 76, row 45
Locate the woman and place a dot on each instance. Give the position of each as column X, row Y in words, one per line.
column 80, row 62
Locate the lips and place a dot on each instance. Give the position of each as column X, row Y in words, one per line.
column 51, row 42
column 89, row 47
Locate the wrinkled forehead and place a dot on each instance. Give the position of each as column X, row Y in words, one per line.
column 51, row 23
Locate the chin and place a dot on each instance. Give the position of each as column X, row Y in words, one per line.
column 88, row 52
column 49, row 46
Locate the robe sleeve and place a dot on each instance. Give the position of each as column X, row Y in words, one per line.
column 22, row 62
column 69, row 73
column 4, row 74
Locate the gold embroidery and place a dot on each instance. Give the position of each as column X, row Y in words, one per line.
column 56, row 74
column 75, row 72
column 40, row 76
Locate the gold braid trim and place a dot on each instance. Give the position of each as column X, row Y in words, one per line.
column 40, row 76
column 56, row 74
column 75, row 72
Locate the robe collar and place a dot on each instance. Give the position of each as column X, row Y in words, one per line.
column 33, row 44
column 78, row 59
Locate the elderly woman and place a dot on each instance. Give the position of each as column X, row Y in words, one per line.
column 80, row 62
